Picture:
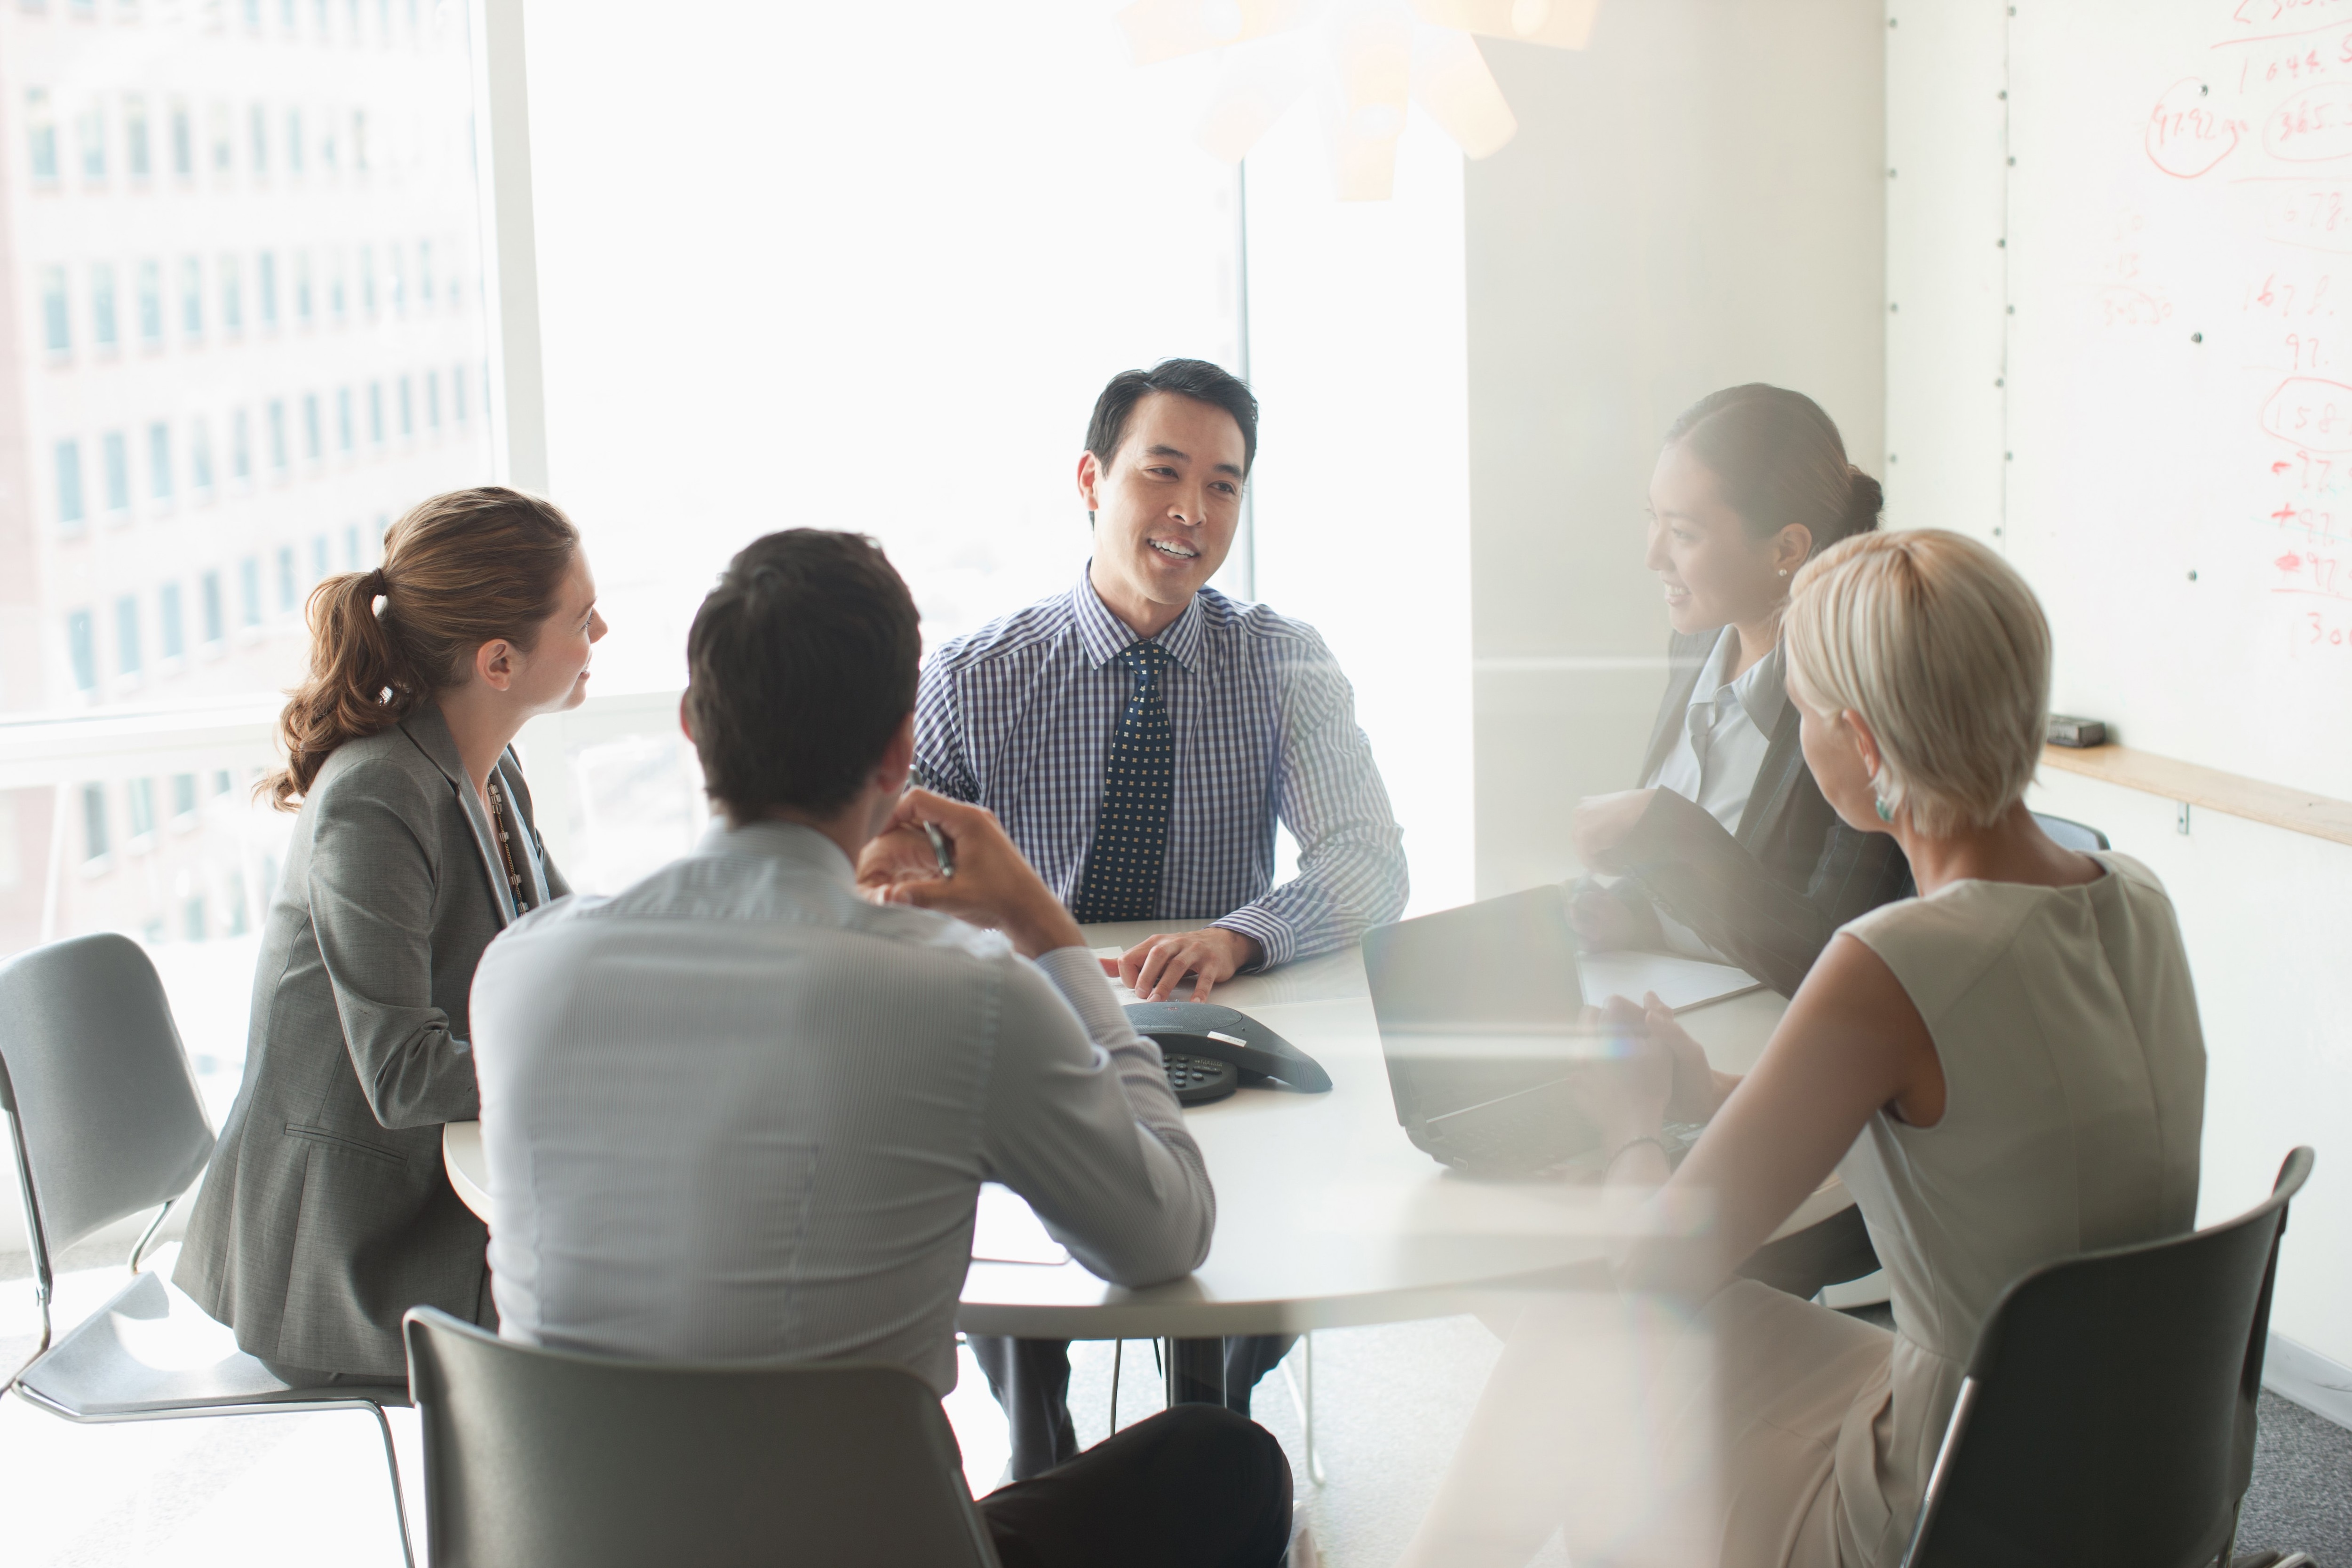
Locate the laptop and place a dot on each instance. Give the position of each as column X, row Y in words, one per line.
column 1484, row 1024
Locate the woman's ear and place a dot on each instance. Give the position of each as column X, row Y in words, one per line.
column 1791, row 548
column 1864, row 742
column 494, row 663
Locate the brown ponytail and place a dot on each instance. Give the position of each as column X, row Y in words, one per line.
column 1778, row 459
column 459, row 571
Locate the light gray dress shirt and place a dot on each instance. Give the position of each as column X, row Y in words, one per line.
column 1727, row 730
column 738, row 1112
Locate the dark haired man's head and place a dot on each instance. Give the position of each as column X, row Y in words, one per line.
column 801, row 687
column 1167, row 454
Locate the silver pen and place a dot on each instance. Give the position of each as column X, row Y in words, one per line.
column 942, row 849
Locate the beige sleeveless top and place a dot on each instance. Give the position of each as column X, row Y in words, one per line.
column 2075, row 1093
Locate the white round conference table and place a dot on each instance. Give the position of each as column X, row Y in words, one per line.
column 1328, row 1217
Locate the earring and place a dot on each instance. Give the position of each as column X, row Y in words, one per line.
column 1878, row 788
column 1784, row 572
column 1885, row 811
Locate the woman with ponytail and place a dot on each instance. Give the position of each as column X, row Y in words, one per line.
column 326, row 1212
column 1730, row 852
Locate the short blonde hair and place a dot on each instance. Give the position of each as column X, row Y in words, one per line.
column 1941, row 646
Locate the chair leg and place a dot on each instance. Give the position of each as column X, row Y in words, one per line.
column 1304, row 1401
column 399, row 1502
column 139, row 1250
column 1117, row 1351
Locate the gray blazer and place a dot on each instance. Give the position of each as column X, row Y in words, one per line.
column 326, row 1212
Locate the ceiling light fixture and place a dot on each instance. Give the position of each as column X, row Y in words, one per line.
column 1380, row 58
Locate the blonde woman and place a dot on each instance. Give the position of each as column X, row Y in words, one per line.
column 2006, row 1070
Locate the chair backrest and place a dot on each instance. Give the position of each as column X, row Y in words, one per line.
column 97, row 1088
column 544, row 1458
column 2108, row 1415
column 2069, row 835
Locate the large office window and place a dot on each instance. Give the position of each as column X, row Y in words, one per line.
column 69, row 507
column 115, row 446
column 57, row 315
column 103, row 330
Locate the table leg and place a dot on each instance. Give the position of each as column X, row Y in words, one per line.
column 1196, row 1372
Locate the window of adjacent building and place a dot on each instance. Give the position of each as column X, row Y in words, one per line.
column 399, row 267
column 257, row 142
column 69, row 509
column 359, row 141
column 159, row 461
column 200, row 458
column 367, row 279
column 224, row 138
column 264, row 288
column 215, row 614
column 171, row 629
column 289, row 590
column 103, row 328
column 375, row 412
column 351, row 547
column 150, row 303
column 93, row 822
column 90, row 131
column 135, row 158
column 432, row 399
column 115, row 456
column 139, row 798
column 192, row 297
column 335, row 287
column 407, row 417
column 294, row 141
column 329, row 148
column 320, row 564
column 240, row 450
column 56, row 320
column 41, row 135
column 193, row 915
column 425, row 272
column 458, row 394
column 285, row 13
column 82, row 649
column 313, row 448
column 183, row 142
column 249, row 575
column 183, row 806
column 126, row 635
column 253, row 15
column 232, row 290
column 278, row 434
column 343, row 438
column 303, row 287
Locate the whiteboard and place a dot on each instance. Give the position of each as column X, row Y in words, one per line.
column 2179, row 420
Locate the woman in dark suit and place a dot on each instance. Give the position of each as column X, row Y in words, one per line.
column 326, row 1212
column 1728, row 851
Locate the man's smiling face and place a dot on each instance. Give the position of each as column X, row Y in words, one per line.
column 1165, row 507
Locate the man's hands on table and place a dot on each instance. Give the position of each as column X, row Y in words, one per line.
column 1155, row 966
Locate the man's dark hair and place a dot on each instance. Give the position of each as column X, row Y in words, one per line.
column 1196, row 379
column 800, row 666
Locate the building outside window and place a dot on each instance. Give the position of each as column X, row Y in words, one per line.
column 135, row 161
column 139, row 798
column 223, row 139
column 264, row 288
column 375, row 412
column 90, row 131
column 171, row 629
column 184, row 803
column 215, row 618
column 351, row 547
column 367, row 281
column 183, row 142
column 115, row 449
column 320, row 564
column 277, row 461
column 102, row 327
column 159, row 461
column 359, row 141
column 458, row 394
column 82, row 649
column 407, row 412
column 192, row 913
column 335, row 288
column 312, row 447
column 303, row 287
column 241, row 447
column 56, row 317
column 151, row 304
column 69, row 507
column 290, row 590
column 432, row 399
column 398, row 264
column 126, row 662
column 258, row 149
column 93, row 822
column 343, row 436
column 200, row 458
column 425, row 273
column 249, row 572
column 232, row 287
column 192, row 297
column 41, row 135
column 294, row 141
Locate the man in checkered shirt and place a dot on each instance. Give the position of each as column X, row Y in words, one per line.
column 1021, row 717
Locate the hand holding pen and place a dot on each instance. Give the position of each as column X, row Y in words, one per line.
column 942, row 854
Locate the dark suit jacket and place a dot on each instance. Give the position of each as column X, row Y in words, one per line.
column 326, row 1211
column 1770, row 896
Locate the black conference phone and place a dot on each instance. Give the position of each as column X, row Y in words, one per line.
column 1211, row 1051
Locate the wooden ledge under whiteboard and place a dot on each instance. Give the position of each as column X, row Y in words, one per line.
column 2208, row 788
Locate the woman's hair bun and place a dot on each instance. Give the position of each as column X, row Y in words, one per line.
column 1866, row 499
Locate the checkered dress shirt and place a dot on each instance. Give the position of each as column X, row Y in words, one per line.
column 1018, row 717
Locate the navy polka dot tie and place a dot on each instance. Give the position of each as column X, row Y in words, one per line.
column 1121, row 881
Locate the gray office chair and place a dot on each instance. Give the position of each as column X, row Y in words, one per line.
column 103, row 1116
column 2069, row 835
column 2108, row 1412
column 546, row 1458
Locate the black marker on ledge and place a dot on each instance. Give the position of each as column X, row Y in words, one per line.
column 2067, row 730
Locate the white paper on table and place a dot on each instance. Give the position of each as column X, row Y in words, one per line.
column 1005, row 1231
column 1680, row 982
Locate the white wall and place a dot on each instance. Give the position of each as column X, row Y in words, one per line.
column 2263, row 912
column 1695, row 201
